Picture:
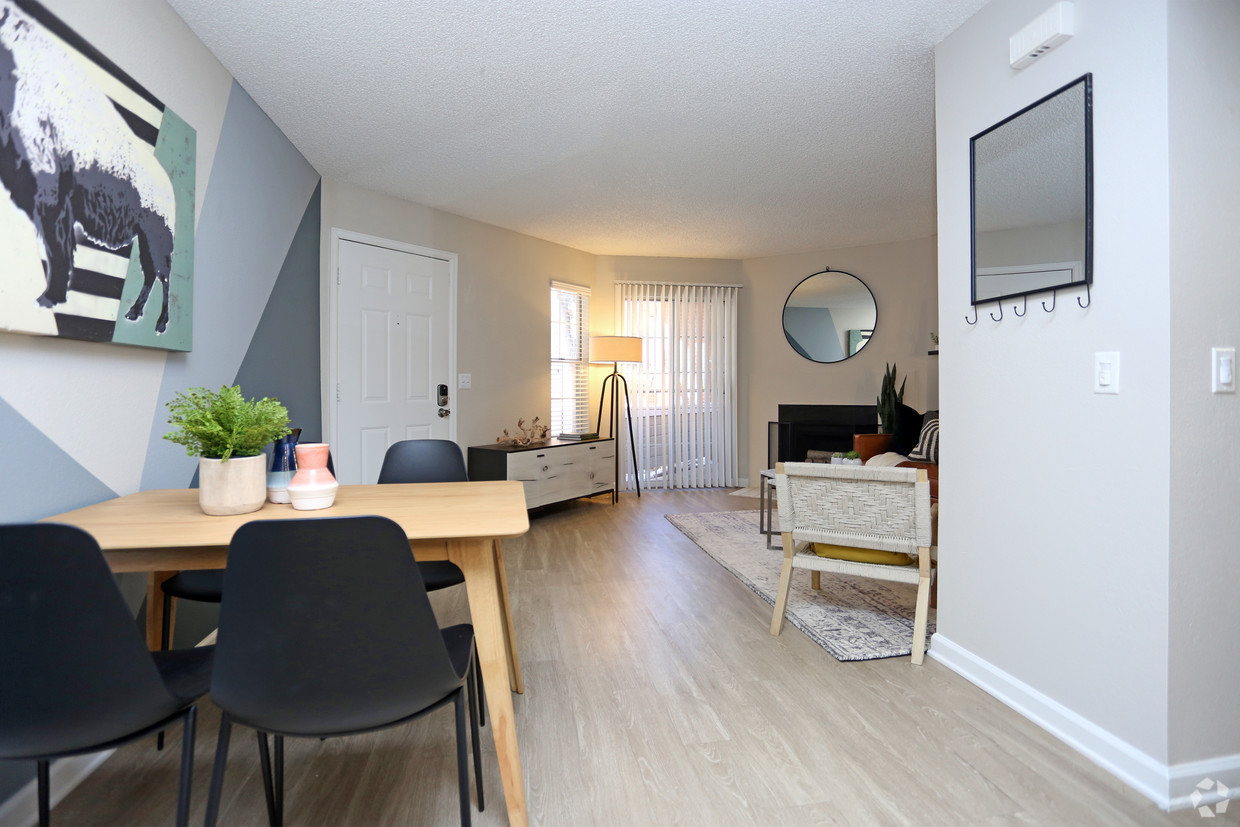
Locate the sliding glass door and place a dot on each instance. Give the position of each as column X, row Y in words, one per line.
column 683, row 394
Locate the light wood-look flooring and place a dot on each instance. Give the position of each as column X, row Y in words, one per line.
column 655, row 696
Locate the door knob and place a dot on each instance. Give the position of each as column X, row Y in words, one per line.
column 444, row 412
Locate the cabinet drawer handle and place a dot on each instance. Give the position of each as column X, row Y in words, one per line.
column 540, row 455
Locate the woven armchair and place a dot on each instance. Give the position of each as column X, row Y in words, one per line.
column 863, row 507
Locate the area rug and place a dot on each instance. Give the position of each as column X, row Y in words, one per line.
column 853, row 618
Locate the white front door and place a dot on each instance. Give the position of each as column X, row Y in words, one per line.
column 394, row 352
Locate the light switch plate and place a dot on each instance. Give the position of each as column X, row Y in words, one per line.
column 1106, row 372
column 1223, row 370
column 464, row 381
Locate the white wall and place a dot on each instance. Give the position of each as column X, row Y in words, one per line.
column 1054, row 529
column 1205, row 438
column 503, row 302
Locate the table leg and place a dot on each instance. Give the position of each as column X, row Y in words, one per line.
column 476, row 559
column 762, row 510
column 510, row 635
column 155, row 609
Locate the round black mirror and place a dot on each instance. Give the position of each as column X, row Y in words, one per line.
column 829, row 316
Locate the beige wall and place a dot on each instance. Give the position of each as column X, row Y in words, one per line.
column 903, row 277
column 503, row 308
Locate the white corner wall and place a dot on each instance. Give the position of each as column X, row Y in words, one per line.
column 1204, row 96
column 1054, row 528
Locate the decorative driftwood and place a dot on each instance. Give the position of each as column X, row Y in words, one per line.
column 527, row 436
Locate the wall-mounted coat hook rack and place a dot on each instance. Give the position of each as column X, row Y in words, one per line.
column 1026, row 307
column 998, row 318
column 1089, row 299
column 1054, row 298
column 966, row 318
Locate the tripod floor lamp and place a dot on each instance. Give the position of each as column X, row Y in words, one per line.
column 617, row 349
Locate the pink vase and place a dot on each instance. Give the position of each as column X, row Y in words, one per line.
column 313, row 486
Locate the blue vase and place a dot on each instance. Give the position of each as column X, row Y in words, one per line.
column 283, row 466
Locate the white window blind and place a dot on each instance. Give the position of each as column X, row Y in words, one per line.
column 683, row 395
column 570, row 358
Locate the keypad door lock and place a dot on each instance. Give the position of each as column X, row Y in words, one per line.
column 442, row 390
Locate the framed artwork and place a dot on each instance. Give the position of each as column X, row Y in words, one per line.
column 96, row 193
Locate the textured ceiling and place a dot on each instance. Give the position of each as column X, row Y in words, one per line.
column 703, row 128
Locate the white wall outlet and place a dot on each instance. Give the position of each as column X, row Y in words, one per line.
column 1223, row 369
column 464, row 381
column 1106, row 372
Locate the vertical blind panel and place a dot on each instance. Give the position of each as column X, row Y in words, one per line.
column 683, row 394
column 570, row 374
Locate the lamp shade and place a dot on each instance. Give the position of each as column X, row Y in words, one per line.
column 615, row 349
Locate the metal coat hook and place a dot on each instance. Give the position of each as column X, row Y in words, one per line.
column 1026, row 307
column 1088, row 298
column 966, row 318
column 1000, row 317
column 1054, row 298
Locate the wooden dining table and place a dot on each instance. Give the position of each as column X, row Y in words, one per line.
column 162, row 532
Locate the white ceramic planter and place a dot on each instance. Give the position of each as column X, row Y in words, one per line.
column 234, row 486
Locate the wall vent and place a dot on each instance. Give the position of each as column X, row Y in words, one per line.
column 1043, row 33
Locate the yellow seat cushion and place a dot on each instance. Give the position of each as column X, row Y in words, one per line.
column 863, row 555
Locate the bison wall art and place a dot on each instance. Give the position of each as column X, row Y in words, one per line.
column 97, row 207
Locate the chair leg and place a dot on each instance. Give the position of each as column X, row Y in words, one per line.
column 44, row 797
column 482, row 698
column 462, row 762
column 785, row 583
column 187, row 766
column 217, row 772
column 923, row 608
column 815, row 580
column 264, row 763
column 163, row 647
column 475, row 706
column 279, row 779
column 166, row 631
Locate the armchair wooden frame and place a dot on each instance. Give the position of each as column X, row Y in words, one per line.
column 887, row 509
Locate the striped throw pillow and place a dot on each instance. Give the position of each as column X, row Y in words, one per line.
column 927, row 449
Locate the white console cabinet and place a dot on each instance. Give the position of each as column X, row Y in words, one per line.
column 553, row 471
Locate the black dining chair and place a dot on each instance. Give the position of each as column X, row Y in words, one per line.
column 328, row 631
column 77, row 677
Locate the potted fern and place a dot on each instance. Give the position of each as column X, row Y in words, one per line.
column 227, row 433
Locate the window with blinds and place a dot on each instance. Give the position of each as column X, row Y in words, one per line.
column 570, row 358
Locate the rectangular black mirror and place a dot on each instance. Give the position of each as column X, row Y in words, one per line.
column 1033, row 197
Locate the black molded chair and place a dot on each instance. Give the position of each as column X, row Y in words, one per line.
column 327, row 631
column 427, row 460
column 408, row 461
column 431, row 460
column 77, row 677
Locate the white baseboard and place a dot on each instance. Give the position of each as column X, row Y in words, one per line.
column 22, row 810
column 1167, row 786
